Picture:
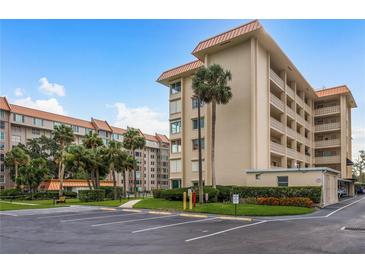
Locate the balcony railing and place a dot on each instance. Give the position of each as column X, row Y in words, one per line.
column 300, row 156
column 291, row 112
column 301, row 120
column 307, row 142
column 307, row 158
column 276, row 79
column 291, row 133
column 277, row 148
column 276, row 102
column 327, row 160
column 290, row 92
column 327, row 110
column 328, row 126
column 276, row 124
column 307, row 108
column 300, row 138
column 327, row 143
column 299, row 101
column 291, row 153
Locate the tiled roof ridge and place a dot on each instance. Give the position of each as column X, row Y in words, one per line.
column 339, row 86
column 188, row 63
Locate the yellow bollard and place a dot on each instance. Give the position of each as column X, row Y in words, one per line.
column 191, row 200
column 184, row 201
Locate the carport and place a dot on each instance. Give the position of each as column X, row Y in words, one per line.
column 348, row 184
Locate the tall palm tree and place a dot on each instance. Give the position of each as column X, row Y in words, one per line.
column 210, row 85
column 15, row 158
column 113, row 155
column 92, row 140
column 63, row 136
column 133, row 140
column 126, row 165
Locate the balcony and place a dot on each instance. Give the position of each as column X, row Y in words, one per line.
column 307, row 142
column 301, row 120
column 290, row 92
column 327, row 143
column 291, row 112
column 307, row 158
column 276, row 79
column 327, row 110
column 275, row 101
column 300, row 138
column 328, row 126
column 291, row 133
column 278, row 148
column 292, row 153
column 299, row 101
column 275, row 124
column 300, row 156
column 307, row 108
column 325, row 160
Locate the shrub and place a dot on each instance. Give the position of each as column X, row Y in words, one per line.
column 311, row 192
column 156, row 193
column 292, row 201
column 53, row 194
column 109, row 191
column 176, row 194
column 92, row 195
column 12, row 193
column 250, row 200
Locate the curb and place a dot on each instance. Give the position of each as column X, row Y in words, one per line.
column 108, row 209
column 235, row 218
column 131, row 210
column 193, row 215
column 159, row 212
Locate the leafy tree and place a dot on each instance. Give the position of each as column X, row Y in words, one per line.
column 210, row 86
column 63, row 136
column 16, row 158
column 76, row 161
column 359, row 167
column 92, row 140
column 125, row 164
column 133, row 140
column 33, row 174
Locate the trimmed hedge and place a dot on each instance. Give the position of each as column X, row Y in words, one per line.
column 91, row 195
column 18, row 194
column 157, row 193
column 53, row 194
column 12, row 192
column 311, row 192
column 292, row 201
column 109, row 191
column 176, row 194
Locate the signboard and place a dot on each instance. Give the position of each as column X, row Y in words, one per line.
column 189, row 192
column 236, row 199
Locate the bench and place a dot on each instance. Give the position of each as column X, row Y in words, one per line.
column 61, row 200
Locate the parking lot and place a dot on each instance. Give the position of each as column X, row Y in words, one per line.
column 82, row 229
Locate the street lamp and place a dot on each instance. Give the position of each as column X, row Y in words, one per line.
column 200, row 183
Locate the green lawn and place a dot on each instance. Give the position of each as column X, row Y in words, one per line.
column 226, row 209
column 5, row 205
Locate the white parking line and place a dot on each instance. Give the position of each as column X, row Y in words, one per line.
column 8, row 214
column 100, row 217
column 176, row 224
column 337, row 210
column 135, row 220
column 224, row 231
column 69, row 214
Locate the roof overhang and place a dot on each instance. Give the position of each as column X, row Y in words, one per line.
column 292, row 170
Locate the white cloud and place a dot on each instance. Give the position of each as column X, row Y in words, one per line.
column 19, row 92
column 358, row 141
column 144, row 118
column 50, row 105
column 51, row 88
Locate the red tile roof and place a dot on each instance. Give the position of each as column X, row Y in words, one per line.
column 118, row 130
column 50, row 116
column 333, row 91
column 101, row 125
column 4, row 105
column 162, row 138
column 228, row 35
column 54, row 184
column 180, row 69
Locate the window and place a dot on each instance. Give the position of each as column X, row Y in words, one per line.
column 75, row 128
column 195, row 123
column 116, row 136
column 88, row 130
column 36, row 131
column 194, row 102
column 2, row 156
column 2, row 146
column 176, row 127
column 152, row 163
column 175, row 166
column 152, row 169
column 175, row 106
column 2, row 168
column 2, row 113
column 196, row 144
column 2, row 135
column 2, row 124
column 18, row 118
column 175, row 88
column 56, row 124
column 15, row 139
column 176, row 146
column 38, row 122
column 176, row 183
column 195, row 166
column 2, row 178
column 282, row 180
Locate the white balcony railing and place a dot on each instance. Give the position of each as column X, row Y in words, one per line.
column 276, row 102
column 327, row 110
column 276, row 124
column 327, row 143
column 277, row 148
column 276, row 79
column 328, row 126
column 327, row 160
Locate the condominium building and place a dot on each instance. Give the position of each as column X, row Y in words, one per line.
column 19, row 124
column 275, row 119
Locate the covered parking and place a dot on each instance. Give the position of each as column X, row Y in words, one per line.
column 348, row 185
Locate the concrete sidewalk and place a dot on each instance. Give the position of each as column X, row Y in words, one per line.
column 129, row 204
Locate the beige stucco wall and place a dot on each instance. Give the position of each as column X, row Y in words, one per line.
column 328, row 181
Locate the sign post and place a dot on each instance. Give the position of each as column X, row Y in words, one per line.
column 190, row 200
column 235, row 200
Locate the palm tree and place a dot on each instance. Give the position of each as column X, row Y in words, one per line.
column 133, row 140
column 113, row 155
column 92, row 140
column 15, row 158
column 75, row 160
column 210, row 86
column 63, row 136
column 127, row 164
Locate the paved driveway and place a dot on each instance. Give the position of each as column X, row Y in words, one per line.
column 100, row 230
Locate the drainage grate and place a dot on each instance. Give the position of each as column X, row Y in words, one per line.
column 354, row 228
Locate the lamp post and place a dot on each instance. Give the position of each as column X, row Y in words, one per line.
column 201, row 192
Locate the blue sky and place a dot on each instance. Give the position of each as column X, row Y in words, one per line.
column 107, row 68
